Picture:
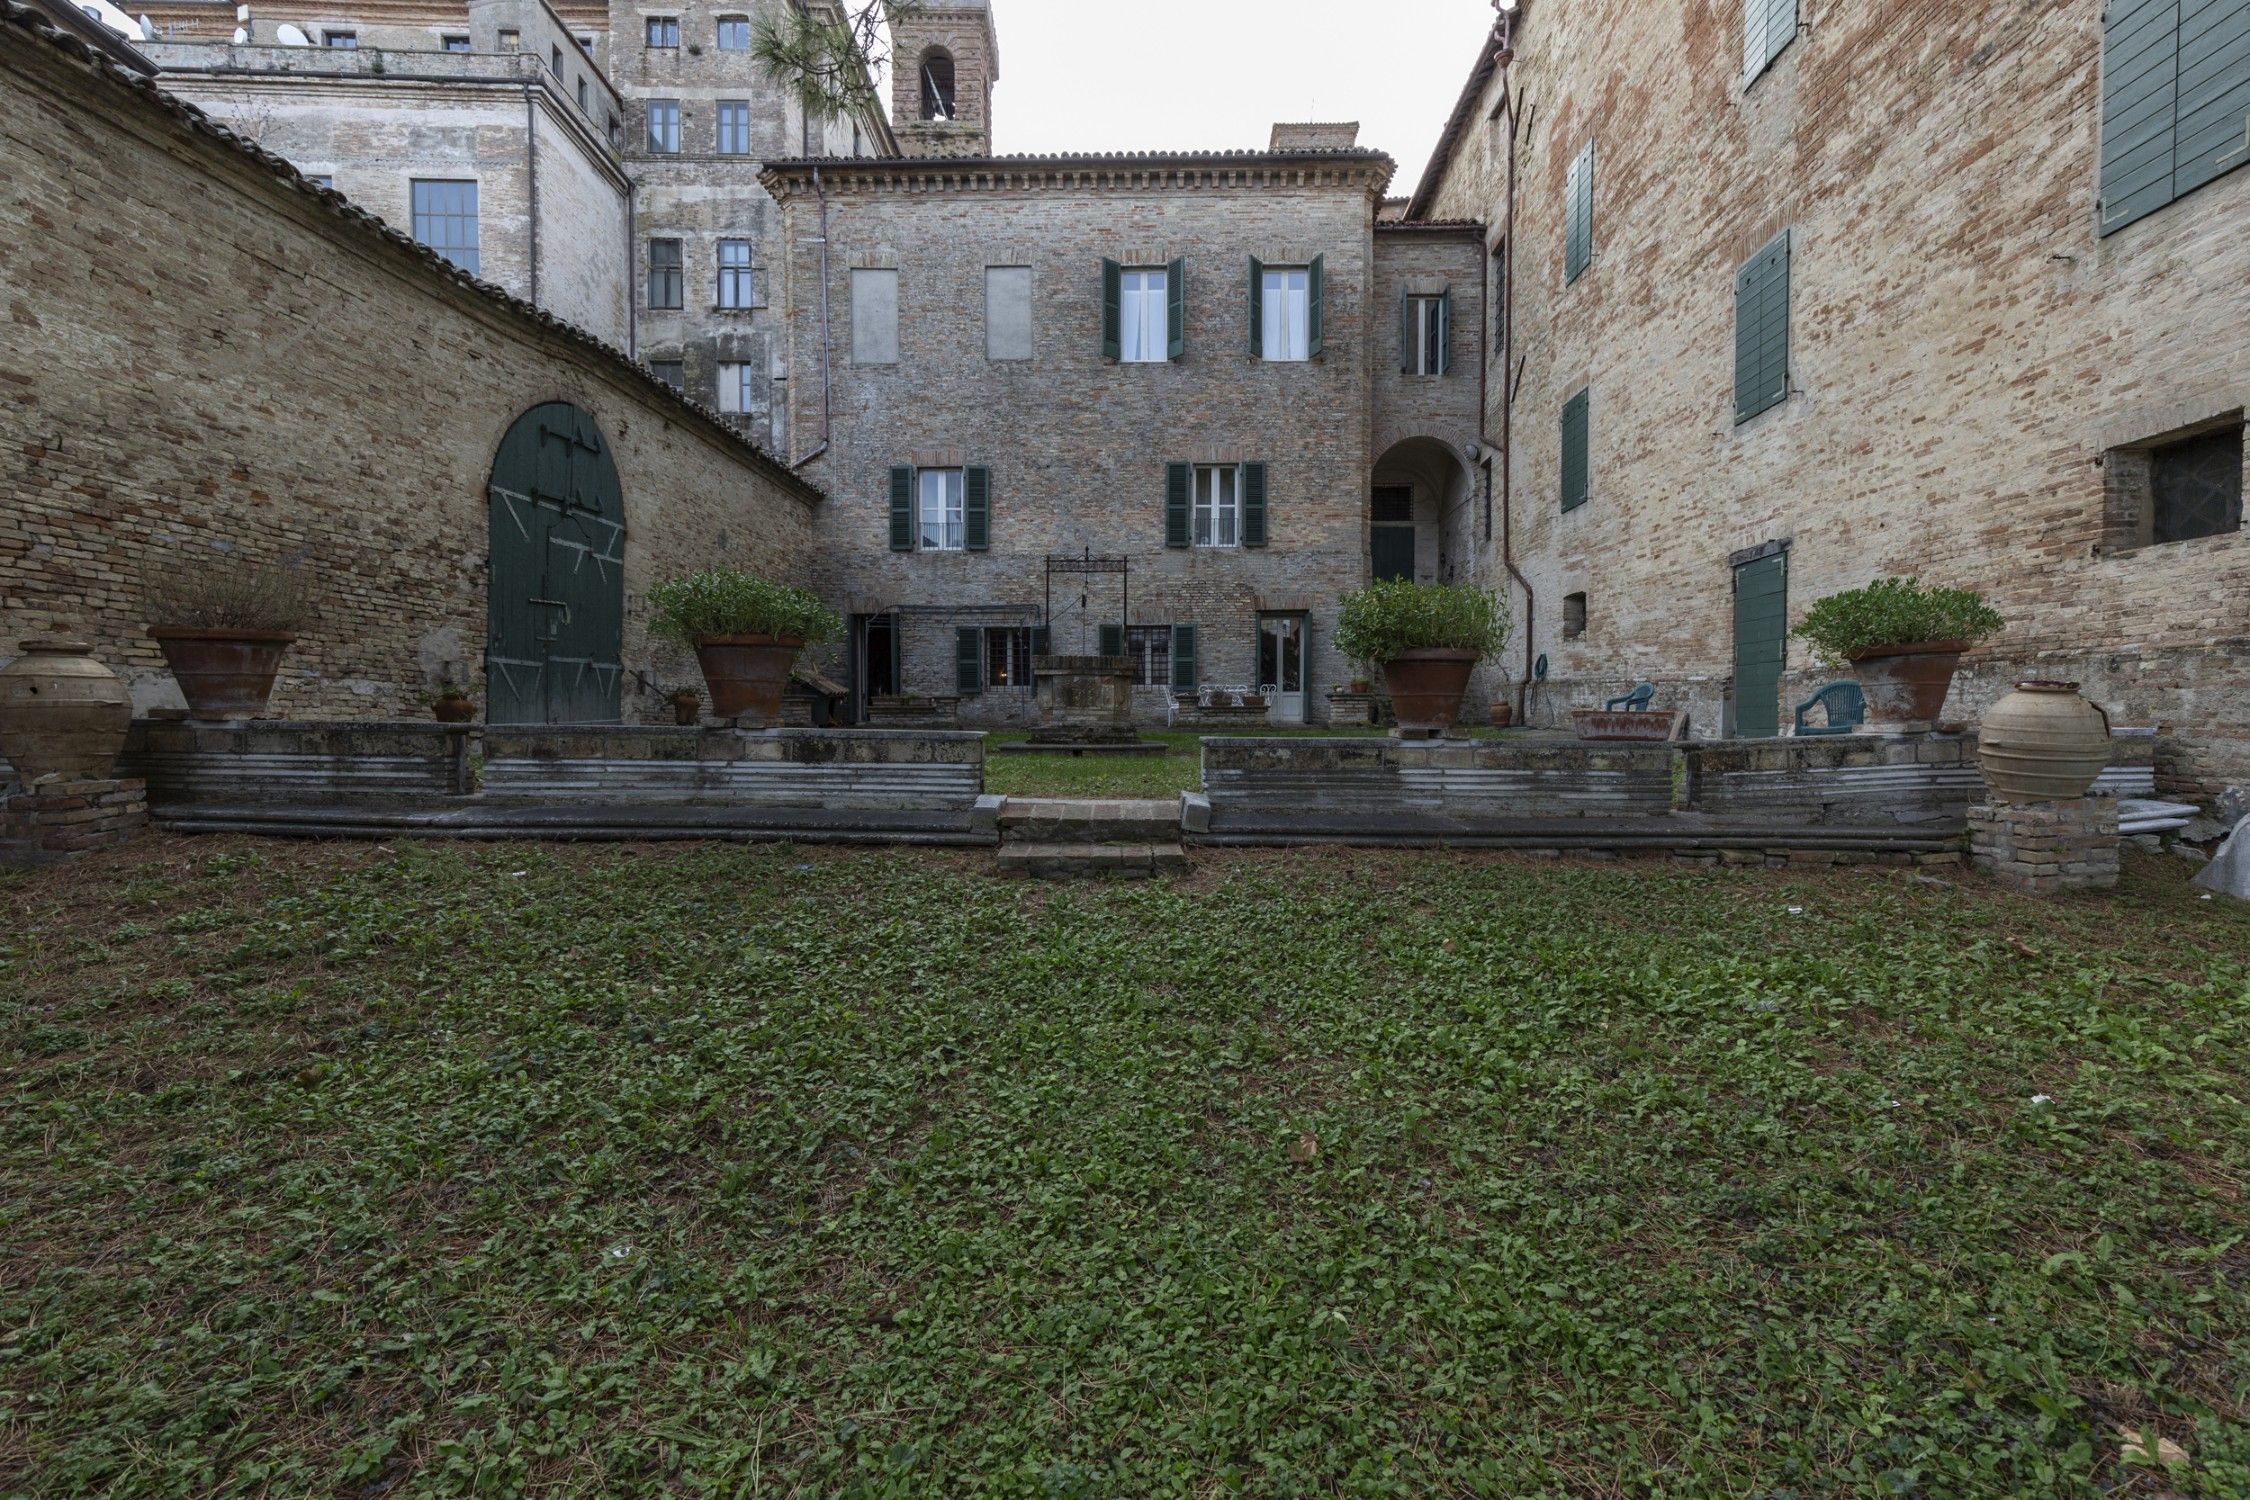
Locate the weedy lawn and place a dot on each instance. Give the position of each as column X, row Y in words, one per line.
column 714, row 1171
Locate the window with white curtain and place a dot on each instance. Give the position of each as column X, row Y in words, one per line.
column 942, row 529
column 1288, row 330
column 1218, row 505
column 1145, row 324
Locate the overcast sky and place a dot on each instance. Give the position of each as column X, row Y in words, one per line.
column 1078, row 75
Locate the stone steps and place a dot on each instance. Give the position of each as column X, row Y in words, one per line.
column 1057, row 838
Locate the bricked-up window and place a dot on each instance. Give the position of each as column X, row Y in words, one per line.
column 1761, row 331
column 734, row 275
column 944, row 518
column 1578, row 215
column 664, row 31
column 734, row 33
column 1577, row 449
column 1142, row 327
column 2177, row 488
column 1573, row 616
column 1425, row 334
column 735, row 387
column 874, row 316
column 671, row 371
column 664, row 274
column 445, row 219
column 1218, row 505
column 1768, row 26
column 734, row 127
column 1007, row 312
column 346, row 40
column 664, row 125
column 2175, row 101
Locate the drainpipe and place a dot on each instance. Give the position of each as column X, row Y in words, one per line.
column 1509, row 377
column 531, row 175
column 827, row 375
column 632, row 285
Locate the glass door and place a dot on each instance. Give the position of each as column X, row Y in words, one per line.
column 1281, row 666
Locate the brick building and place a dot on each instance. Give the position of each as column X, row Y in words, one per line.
column 1804, row 293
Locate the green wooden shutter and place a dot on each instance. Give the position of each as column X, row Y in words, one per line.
column 1113, row 640
column 2212, row 136
column 2140, row 108
column 1316, row 306
column 902, row 509
column 1042, row 641
column 1175, row 310
column 1445, row 332
column 1113, row 310
column 1253, row 505
column 968, row 661
column 1406, row 360
column 976, row 509
column 1257, row 308
column 1186, row 676
column 1577, row 440
column 1768, row 26
column 1179, row 484
column 1578, row 231
column 1761, row 331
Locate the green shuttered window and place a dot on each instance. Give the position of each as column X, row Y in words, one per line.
column 1316, row 310
column 1578, row 215
column 1768, row 26
column 1185, row 673
column 1577, row 441
column 1113, row 311
column 902, row 509
column 1253, row 505
column 968, row 661
column 976, row 509
column 1175, row 311
column 1179, row 485
column 1257, row 308
column 1761, row 331
column 2175, row 101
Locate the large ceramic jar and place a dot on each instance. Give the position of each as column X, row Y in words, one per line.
column 2043, row 743
column 62, row 713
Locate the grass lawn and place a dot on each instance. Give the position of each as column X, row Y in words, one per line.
column 680, row 1171
column 1179, row 770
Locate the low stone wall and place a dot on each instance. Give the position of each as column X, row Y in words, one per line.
column 259, row 763
column 1868, row 779
column 67, row 818
column 865, row 769
column 1427, row 787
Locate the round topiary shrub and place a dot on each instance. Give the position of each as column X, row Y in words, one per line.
column 728, row 602
column 1895, row 612
column 1383, row 620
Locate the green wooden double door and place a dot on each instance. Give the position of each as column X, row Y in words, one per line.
column 555, row 627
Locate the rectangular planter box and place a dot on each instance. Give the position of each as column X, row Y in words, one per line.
column 1644, row 728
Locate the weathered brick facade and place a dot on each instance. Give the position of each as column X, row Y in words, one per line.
column 199, row 351
column 1964, row 346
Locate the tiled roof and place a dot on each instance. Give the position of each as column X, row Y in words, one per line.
column 24, row 18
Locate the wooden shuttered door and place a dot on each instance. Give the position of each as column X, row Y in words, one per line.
column 1113, row 311
column 1445, row 332
column 2175, row 101
column 1253, row 505
column 976, row 510
column 968, row 661
column 1179, row 488
column 1768, row 26
column 1577, row 440
column 1185, row 672
column 1578, row 215
column 1761, row 331
column 902, row 509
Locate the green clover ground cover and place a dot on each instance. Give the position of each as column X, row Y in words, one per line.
column 682, row 1172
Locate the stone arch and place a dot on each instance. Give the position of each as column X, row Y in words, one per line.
column 938, row 84
column 555, row 608
column 1437, row 491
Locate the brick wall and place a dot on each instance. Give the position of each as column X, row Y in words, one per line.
column 199, row 353
column 1964, row 345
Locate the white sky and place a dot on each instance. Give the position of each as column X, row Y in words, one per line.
column 1083, row 75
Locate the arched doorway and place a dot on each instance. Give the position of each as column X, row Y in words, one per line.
column 1418, row 518
column 556, row 614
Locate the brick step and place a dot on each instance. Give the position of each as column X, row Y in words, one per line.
column 1039, row 820
column 1093, row 861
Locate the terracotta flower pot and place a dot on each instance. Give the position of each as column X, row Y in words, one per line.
column 223, row 673
column 686, row 708
column 1427, row 687
column 62, row 713
column 454, row 708
column 2043, row 743
column 1905, row 686
column 746, row 675
column 1503, row 714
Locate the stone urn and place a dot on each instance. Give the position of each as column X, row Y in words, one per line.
column 1427, row 686
column 747, row 675
column 62, row 713
column 2043, row 743
column 1905, row 686
column 223, row 672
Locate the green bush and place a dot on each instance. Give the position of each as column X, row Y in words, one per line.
column 1895, row 612
column 1383, row 619
column 727, row 601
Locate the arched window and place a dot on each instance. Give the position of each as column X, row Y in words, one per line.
column 937, row 84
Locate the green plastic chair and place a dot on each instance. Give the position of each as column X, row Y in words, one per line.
column 1846, row 705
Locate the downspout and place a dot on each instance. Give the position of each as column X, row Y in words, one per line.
column 632, row 282
column 827, row 375
column 1509, row 380
column 531, row 175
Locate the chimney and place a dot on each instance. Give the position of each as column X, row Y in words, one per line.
column 1337, row 136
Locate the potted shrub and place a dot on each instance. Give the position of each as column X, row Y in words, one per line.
column 1901, row 642
column 453, row 705
column 222, row 622
column 746, row 632
column 1427, row 638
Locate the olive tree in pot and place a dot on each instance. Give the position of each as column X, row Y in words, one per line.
column 1901, row 642
column 222, row 622
column 745, row 632
column 1427, row 639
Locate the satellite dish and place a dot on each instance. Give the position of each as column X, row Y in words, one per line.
column 240, row 36
column 289, row 36
column 148, row 29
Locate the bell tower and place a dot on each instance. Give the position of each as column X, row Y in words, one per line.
column 945, row 58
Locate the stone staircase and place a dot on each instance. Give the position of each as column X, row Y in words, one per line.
column 1056, row 839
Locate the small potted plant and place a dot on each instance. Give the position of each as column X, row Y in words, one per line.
column 687, row 706
column 1902, row 642
column 222, row 622
column 1427, row 638
column 745, row 631
column 453, row 705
